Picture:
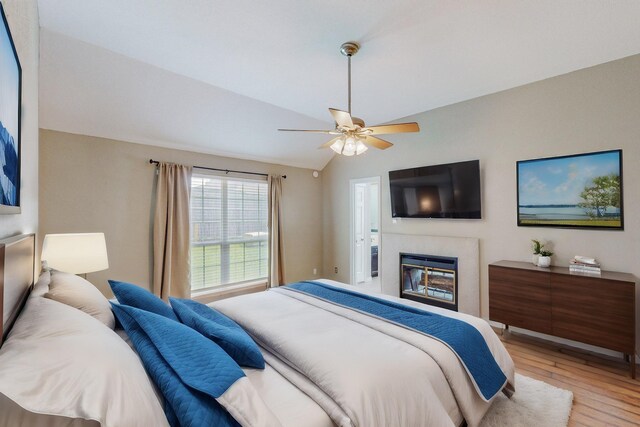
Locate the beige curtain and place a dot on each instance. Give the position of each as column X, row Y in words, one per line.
column 276, row 246
column 171, row 232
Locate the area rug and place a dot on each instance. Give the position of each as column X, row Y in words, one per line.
column 534, row 404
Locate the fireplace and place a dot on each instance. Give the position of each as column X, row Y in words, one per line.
column 429, row 279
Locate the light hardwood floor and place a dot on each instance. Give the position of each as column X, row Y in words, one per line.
column 603, row 392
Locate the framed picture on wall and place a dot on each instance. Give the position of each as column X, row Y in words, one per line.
column 577, row 191
column 10, row 102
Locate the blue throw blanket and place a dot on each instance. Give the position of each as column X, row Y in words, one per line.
column 464, row 339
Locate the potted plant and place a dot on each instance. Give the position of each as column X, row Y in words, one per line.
column 537, row 247
column 544, row 260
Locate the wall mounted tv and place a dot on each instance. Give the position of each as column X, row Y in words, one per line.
column 440, row 191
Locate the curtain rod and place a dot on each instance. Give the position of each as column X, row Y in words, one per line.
column 155, row 162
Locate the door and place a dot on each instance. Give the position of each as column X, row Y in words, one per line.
column 360, row 232
column 364, row 229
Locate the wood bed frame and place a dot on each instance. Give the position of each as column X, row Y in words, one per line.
column 17, row 273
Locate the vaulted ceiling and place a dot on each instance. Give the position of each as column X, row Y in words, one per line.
column 221, row 76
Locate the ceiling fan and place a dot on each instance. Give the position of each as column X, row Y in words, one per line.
column 353, row 136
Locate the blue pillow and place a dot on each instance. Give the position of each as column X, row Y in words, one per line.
column 135, row 296
column 189, row 370
column 222, row 330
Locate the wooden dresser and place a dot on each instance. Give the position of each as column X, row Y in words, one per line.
column 596, row 310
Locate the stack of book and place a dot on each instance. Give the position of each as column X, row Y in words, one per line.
column 584, row 265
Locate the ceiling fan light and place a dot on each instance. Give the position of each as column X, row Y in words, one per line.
column 348, row 152
column 349, row 148
column 360, row 147
column 338, row 145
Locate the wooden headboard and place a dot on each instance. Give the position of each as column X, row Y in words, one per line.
column 17, row 267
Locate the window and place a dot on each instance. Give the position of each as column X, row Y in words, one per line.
column 229, row 234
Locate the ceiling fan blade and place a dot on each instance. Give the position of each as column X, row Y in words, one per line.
column 342, row 118
column 306, row 130
column 377, row 142
column 329, row 143
column 396, row 128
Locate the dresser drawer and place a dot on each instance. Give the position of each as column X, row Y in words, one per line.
column 520, row 298
column 594, row 311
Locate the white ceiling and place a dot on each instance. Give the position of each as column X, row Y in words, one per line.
column 221, row 76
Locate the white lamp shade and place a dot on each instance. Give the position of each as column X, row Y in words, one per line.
column 75, row 253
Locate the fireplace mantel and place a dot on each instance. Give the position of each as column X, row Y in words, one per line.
column 466, row 249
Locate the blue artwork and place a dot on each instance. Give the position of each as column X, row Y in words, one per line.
column 10, row 92
column 583, row 190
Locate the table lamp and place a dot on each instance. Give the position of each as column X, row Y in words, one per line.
column 77, row 253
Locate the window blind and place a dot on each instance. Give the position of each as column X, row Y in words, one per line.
column 229, row 231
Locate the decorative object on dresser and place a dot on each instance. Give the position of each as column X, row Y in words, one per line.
column 576, row 191
column 584, row 265
column 541, row 257
column 77, row 253
column 537, row 247
column 595, row 310
column 10, row 128
column 544, row 258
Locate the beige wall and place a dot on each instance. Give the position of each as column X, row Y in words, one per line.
column 92, row 184
column 588, row 110
column 23, row 22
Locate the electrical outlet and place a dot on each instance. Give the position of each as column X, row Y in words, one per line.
column 335, row 270
column 315, row 271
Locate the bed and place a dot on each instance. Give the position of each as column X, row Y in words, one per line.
column 328, row 362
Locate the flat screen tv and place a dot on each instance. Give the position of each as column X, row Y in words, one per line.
column 577, row 191
column 440, row 191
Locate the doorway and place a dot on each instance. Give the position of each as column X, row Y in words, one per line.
column 365, row 232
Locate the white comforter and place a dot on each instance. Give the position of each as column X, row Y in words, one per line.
column 364, row 371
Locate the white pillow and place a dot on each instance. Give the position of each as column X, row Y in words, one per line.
column 42, row 285
column 13, row 415
column 77, row 292
column 60, row 361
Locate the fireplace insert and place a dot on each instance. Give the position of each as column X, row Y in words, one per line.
column 429, row 279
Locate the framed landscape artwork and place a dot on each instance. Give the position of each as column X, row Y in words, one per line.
column 10, row 101
column 577, row 191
